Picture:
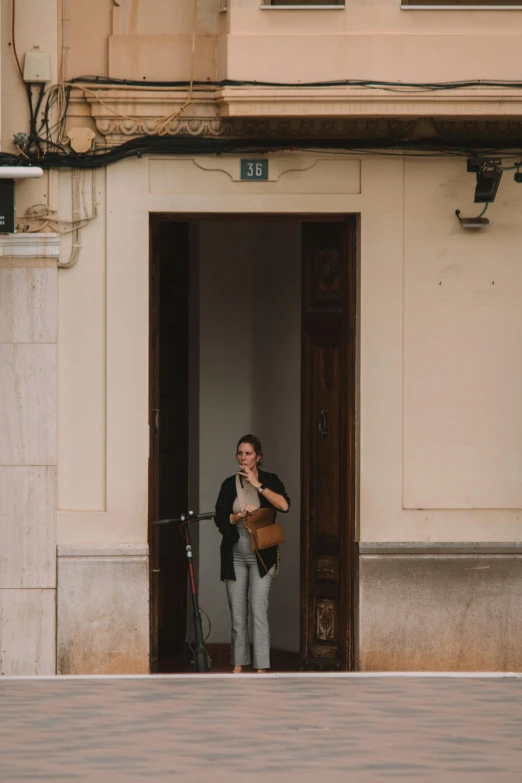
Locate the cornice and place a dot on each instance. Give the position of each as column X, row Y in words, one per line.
column 363, row 102
column 123, row 114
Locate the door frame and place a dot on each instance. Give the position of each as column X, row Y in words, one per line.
column 352, row 555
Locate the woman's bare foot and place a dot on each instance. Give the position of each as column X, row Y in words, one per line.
column 237, row 670
column 261, row 671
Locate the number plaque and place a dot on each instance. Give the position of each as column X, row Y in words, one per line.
column 255, row 169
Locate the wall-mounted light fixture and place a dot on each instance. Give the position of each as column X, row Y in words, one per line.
column 488, row 181
column 489, row 174
column 473, row 222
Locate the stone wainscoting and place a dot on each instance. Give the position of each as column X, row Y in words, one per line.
column 28, row 452
column 103, row 609
column 440, row 607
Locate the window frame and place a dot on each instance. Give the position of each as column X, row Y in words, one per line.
column 460, row 5
column 300, row 5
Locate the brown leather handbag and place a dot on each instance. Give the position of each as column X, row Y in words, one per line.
column 264, row 530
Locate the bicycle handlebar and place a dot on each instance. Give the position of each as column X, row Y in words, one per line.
column 190, row 516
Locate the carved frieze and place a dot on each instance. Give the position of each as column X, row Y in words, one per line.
column 117, row 130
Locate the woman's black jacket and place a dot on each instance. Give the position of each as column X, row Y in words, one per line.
column 225, row 501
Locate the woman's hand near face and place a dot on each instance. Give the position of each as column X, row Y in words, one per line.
column 249, row 476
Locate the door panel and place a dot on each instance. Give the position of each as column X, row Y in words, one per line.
column 325, row 359
column 168, row 422
column 328, row 464
column 154, row 465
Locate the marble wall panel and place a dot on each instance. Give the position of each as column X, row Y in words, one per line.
column 27, row 526
column 28, row 394
column 103, row 610
column 27, row 632
column 441, row 612
column 28, row 305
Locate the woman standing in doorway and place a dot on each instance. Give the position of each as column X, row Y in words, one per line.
column 247, row 573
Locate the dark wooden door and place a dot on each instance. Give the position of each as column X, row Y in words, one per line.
column 168, row 418
column 328, row 448
column 154, row 358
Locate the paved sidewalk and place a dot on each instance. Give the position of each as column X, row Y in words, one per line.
column 306, row 728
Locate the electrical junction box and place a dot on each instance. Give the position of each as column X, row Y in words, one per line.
column 37, row 67
column 7, row 206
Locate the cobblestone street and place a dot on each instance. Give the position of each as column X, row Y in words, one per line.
column 303, row 728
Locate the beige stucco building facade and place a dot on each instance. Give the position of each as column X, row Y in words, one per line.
column 437, row 432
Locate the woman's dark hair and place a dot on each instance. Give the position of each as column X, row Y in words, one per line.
column 254, row 442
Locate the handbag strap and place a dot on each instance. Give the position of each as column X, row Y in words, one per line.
column 251, row 532
column 240, row 493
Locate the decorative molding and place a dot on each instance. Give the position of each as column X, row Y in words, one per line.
column 448, row 548
column 118, row 131
column 360, row 102
column 103, row 550
column 462, row 116
column 509, row 130
column 34, row 245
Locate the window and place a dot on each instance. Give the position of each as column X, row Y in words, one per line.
column 494, row 4
column 305, row 3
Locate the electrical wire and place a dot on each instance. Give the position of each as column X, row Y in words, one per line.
column 461, row 220
column 13, row 37
column 51, row 133
column 395, row 86
column 36, row 220
column 193, row 145
column 76, row 245
column 58, row 96
column 163, row 125
column 185, row 539
column 88, row 91
column 209, row 624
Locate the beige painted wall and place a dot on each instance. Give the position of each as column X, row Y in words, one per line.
column 148, row 40
column 83, row 328
column 410, row 241
column 368, row 40
column 462, row 372
column 439, row 320
column 225, row 396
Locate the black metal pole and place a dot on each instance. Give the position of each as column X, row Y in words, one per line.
column 201, row 659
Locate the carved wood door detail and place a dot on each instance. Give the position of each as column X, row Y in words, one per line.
column 328, row 464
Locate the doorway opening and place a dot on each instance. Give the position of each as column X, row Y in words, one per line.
column 252, row 329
